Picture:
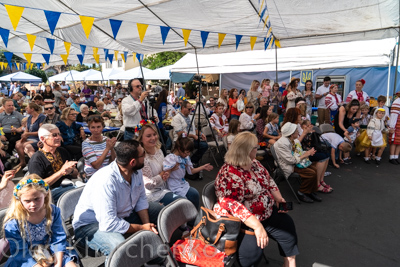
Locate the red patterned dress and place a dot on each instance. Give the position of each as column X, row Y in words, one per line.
column 394, row 122
column 243, row 193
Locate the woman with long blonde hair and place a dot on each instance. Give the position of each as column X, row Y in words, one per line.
column 254, row 95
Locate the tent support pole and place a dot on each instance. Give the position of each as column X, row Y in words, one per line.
column 397, row 66
column 276, row 64
column 388, row 80
column 70, row 73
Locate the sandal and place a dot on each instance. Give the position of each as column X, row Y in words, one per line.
column 323, row 189
column 326, row 185
column 341, row 161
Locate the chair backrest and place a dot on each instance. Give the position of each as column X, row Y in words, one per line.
column 181, row 210
column 225, row 141
column 273, row 152
column 138, row 249
column 208, row 195
column 207, row 131
column 2, row 216
column 326, row 128
column 81, row 165
column 68, row 201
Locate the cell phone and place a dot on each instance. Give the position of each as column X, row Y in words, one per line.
column 286, row 206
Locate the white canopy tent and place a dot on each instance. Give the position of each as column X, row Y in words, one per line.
column 292, row 22
column 81, row 76
column 20, row 77
column 159, row 74
column 130, row 74
column 64, row 76
column 341, row 55
column 104, row 75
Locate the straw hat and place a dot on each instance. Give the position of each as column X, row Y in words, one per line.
column 294, row 78
column 288, row 129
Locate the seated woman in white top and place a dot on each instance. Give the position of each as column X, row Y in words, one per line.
column 247, row 121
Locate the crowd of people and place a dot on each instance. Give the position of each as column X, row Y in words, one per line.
column 138, row 178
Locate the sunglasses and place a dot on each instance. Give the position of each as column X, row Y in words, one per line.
column 249, row 107
column 138, row 86
column 55, row 135
column 48, row 108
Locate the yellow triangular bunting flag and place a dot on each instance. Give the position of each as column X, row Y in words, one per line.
column 186, row 34
column 269, row 32
column 270, row 43
column 221, row 37
column 28, row 57
column 5, row 65
column 67, row 47
column 116, row 55
column 14, row 13
column 30, row 66
column 277, row 43
column 134, row 57
column 253, row 40
column 142, row 28
column 87, row 23
column 123, row 57
column 18, row 66
column 95, row 50
column 31, row 40
column 64, row 58
column 97, row 58
column 1, row 65
column 265, row 23
column 43, row 65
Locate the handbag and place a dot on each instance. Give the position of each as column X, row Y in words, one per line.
column 240, row 105
column 220, row 231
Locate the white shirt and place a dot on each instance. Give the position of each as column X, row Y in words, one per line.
column 246, row 121
column 64, row 87
column 131, row 111
column 333, row 138
column 109, row 106
column 321, row 91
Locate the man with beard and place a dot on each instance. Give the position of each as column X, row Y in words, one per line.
column 114, row 203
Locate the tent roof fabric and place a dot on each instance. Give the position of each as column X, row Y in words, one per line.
column 293, row 22
column 159, row 74
column 103, row 76
column 64, row 76
column 20, row 77
column 343, row 55
column 130, row 74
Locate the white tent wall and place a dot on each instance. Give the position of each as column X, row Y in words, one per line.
column 376, row 79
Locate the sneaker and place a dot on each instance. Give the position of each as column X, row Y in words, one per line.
column 304, row 198
column 327, row 174
column 394, row 162
column 347, row 161
column 367, row 161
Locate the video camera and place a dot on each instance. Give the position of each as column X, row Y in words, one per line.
column 198, row 78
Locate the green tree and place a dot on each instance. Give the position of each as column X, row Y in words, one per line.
column 84, row 67
column 38, row 73
column 162, row 59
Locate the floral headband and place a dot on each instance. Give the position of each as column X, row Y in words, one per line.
column 140, row 125
column 182, row 98
column 20, row 185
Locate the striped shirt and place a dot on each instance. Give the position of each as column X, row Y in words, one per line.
column 91, row 151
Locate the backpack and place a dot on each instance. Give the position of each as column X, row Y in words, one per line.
column 319, row 143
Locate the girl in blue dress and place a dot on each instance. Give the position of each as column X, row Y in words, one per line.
column 33, row 222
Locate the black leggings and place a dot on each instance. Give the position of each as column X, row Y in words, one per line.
column 280, row 227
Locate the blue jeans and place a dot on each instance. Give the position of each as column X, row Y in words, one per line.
column 169, row 198
column 105, row 242
column 236, row 117
column 129, row 135
column 58, row 191
column 193, row 196
column 202, row 147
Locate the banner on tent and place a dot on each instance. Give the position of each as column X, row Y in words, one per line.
column 305, row 75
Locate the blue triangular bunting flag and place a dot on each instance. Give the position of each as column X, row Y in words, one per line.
column 273, row 43
column 105, row 53
column 38, row 65
column 83, row 49
column 110, row 57
column 115, row 25
column 266, row 43
column 164, row 33
column 52, row 19
column 51, row 43
column 8, row 56
column 24, row 65
column 46, row 58
column 263, row 13
column 139, row 57
column 4, row 35
column 126, row 56
column 16, row 66
column 80, row 57
column 238, row 39
column 204, row 36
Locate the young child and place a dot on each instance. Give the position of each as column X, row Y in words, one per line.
column 337, row 144
column 381, row 104
column 180, row 158
column 365, row 117
column 271, row 131
column 332, row 101
column 350, row 136
column 234, row 129
column 31, row 221
column 374, row 132
column 266, row 87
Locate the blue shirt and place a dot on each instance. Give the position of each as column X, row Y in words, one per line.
column 76, row 107
column 181, row 92
column 68, row 133
column 108, row 198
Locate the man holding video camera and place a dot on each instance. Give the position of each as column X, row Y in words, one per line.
column 134, row 109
